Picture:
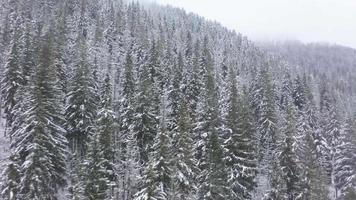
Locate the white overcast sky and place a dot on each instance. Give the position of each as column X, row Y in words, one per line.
column 332, row 21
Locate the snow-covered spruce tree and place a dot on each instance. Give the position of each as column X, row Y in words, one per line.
column 27, row 53
column 97, row 53
column 266, row 130
column 267, row 118
column 156, row 184
column 81, row 102
column 11, row 174
column 255, row 93
column 175, row 94
column 12, row 79
column 217, row 186
column 345, row 167
column 106, row 128
column 287, row 157
column 11, row 179
column 222, row 81
column 146, row 107
column 212, row 180
column 77, row 182
column 240, row 143
column 180, row 128
column 326, row 106
column 311, row 119
column 96, row 181
column 194, row 85
column 299, row 95
column 127, row 141
column 313, row 179
column 184, row 163
column 149, row 190
column 332, row 136
column 80, row 112
column 60, row 58
column 286, row 90
column 40, row 141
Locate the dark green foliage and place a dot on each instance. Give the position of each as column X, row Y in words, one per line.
column 81, row 103
column 145, row 119
column 184, row 163
column 288, row 160
column 240, row 143
column 11, row 176
column 39, row 139
column 96, row 173
column 12, row 80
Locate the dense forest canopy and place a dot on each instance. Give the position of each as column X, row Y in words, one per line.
column 107, row 99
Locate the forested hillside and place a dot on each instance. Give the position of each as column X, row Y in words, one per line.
column 105, row 99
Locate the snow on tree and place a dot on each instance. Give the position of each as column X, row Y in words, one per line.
column 105, row 128
column 241, row 155
column 184, row 163
column 212, row 180
column 157, row 175
column 313, row 178
column 11, row 178
column 127, row 142
column 39, row 142
column 12, row 79
column 345, row 169
column 146, row 106
column 266, row 131
column 81, row 102
column 288, row 160
column 96, row 181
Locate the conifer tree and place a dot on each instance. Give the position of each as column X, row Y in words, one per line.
column 286, row 90
column 96, row 173
column 157, row 175
column 266, row 132
column 332, row 137
column 216, row 182
column 288, row 160
column 194, row 85
column 11, row 178
column 314, row 181
column 146, row 107
column 81, row 103
column 240, row 143
column 299, row 95
column 80, row 112
column 313, row 178
column 106, row 127
column 27, row 60
column 150, row 190
column 12, row 79
column 175, row 94
column 60, row 57
column 345, row 167
column 213, row 175
column 126, row 131
column 40, row 141
column 267, row 118
column 184, row 163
